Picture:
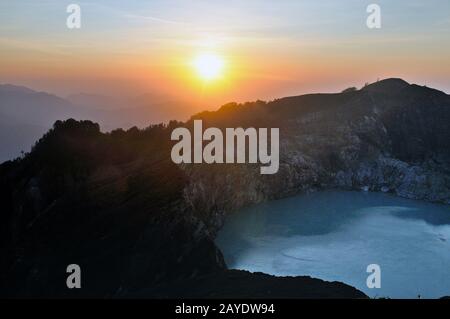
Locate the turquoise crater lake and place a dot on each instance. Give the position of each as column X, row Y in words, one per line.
column 335, row 235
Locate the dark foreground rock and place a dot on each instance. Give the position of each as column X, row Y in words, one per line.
column 114, row 205
column 243, row 284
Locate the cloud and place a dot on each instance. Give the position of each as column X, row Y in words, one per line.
column 155, row 19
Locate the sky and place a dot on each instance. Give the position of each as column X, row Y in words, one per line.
column 270, row 49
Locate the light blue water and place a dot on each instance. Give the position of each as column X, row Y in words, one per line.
column 335, row 235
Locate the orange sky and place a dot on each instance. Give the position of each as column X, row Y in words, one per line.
column 269, row 51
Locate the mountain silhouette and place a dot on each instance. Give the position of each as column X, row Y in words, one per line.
column 27, row 114
column 386, row 86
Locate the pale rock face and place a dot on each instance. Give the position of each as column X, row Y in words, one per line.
column 389, row 137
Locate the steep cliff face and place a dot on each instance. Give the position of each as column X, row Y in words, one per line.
column 390, row 136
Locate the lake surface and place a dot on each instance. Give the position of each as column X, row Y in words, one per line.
column 335, row 235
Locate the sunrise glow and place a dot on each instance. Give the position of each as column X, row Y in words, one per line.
column 209, row 66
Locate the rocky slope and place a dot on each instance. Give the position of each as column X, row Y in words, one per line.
column 389, row 136
column 138, row 225
column 114, row 205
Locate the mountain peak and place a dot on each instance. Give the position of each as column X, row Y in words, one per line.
column 387, row 85
column 10, row 88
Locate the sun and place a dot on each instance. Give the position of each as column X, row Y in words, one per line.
column 209, row 66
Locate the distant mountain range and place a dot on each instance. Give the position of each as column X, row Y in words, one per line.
column 25, row 114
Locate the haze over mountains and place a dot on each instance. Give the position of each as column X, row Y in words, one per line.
column 25, row 114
